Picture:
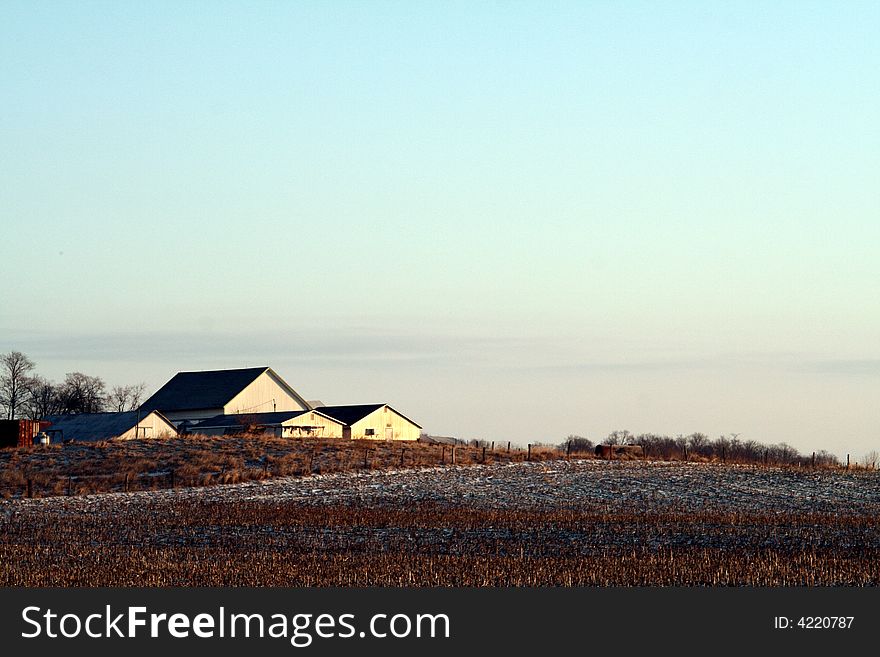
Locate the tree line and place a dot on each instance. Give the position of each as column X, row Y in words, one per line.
column 24, row 394
column 700, row 446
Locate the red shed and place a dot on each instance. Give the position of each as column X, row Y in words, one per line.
column 18, row 433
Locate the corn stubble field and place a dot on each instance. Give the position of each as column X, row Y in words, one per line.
column 506, row 522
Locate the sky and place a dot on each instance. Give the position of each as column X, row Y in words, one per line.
column 511, row 221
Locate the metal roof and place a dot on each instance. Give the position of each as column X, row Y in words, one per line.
column 198, row 390
column 351, row 414
column 245, row 419
column 95, row 426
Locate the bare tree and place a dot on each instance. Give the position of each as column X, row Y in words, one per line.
column 81, row 393
column 577, row 444
column 619, row 437
column 698, row 443
column 137, row 394
column 825, row 458
column 15, row 369
column 784, row 453
column 126, row 398
column 42, row 398
column 682, row 444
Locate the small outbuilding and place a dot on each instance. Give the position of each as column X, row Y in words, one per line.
column 18, row 433
column 93, row 427
column 373, row 422
column 283, row 424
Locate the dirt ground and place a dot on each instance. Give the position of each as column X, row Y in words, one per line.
column 551, row 523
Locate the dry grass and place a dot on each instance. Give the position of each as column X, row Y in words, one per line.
column 80, row 468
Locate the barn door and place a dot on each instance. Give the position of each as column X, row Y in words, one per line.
column 389, row 433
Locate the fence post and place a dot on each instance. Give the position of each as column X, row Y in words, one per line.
column 402, row 452
column 508, row 447
column 443, row 455
column 847, row 461
column 453, row 455
column 814, row 459
column 126, row 482
column 529, row 456
column 30, row 488
column 172, row 477
column 568, row 451
column 69, row 485
column 493, row 446
column 484, row 455
column 366, row 465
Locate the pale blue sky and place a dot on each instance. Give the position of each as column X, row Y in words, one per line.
column 510, row 220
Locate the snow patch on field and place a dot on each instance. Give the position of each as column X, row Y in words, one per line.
column 559, row 484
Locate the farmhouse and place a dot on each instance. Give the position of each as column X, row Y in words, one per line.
column 373, row 422
column 194, row 396
column 92, row 427
column 283, row 424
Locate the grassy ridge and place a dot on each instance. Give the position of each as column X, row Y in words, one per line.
column 114, row 466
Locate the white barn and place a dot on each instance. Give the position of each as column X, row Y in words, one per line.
column 93, row 427
column 283, row 424
column 373, row 422
column 196, row 396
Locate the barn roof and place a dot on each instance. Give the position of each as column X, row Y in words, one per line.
column 95, row 426
column 209, row 389
column 244, row 419
column 351, row 414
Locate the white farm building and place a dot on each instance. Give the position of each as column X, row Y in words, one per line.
column 373, row 422
column 93, row 427
column 283, row 424
column 194, row 396
column 257, row 400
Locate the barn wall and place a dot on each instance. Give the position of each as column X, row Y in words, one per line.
column 328, row 428
column 293, row 428
column 231, row 429
column 379, row 420
column 258, row 396
column 155, row 427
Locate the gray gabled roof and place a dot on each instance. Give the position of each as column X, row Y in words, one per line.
column 356, row 412
column 210, row 389
column 248, row 419
column 94, row 426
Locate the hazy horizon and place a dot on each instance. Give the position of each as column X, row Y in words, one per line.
column 509, row 221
